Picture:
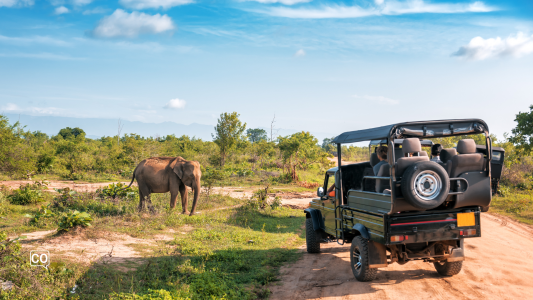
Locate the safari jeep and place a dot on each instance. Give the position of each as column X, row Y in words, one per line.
column 412, row 208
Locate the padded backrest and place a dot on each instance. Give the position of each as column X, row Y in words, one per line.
column 405, row 162
column 447, row 154
column 422, row 153
column 374, row 159
column 410, row 145
column 382, row 184
column 467, row 160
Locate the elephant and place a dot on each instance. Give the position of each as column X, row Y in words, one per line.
column 167, row 174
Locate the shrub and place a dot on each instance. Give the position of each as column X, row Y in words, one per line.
column 119, row 190
column 73, row 219
column 41, row 218
column 89, row 202
column 26, row 194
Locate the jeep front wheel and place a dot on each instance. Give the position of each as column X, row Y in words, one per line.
column 311, row 238
column 446, row 268
column 359, row 260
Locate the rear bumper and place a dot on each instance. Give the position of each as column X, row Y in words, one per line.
column 432, row 227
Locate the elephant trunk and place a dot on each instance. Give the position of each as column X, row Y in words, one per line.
column 196, row 188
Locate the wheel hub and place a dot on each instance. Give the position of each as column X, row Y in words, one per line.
column 427, row 185
column 357, row 259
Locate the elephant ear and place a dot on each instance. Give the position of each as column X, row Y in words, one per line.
column 177, row 166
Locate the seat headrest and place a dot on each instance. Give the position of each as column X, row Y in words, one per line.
column 374, row 159
column 447, row 154
column 411, row 145
column 466, row 146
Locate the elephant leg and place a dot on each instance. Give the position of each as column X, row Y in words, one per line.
column 174, row 191
column 144, row 195
column 183, row 192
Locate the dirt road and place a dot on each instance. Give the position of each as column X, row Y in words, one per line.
column 498, row 266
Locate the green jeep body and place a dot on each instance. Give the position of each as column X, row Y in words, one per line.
column 383, row 226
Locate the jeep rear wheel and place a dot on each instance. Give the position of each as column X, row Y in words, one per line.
column 311, row 238
column 448, row 268
column 359, row 260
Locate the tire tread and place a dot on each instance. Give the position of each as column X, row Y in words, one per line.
column 311, row 238
column 449, row 268
column 368, row 274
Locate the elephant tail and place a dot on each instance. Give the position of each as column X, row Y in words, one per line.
column 132, row 179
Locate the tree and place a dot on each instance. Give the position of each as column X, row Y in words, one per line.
column 328, row 146
column 256, row 135
column 228, row 133
column 299, row 151
column 68, row 132
column 522, row 134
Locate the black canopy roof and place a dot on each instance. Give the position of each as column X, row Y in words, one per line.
column 427, row 129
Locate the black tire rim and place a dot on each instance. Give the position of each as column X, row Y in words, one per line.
column 357, row 261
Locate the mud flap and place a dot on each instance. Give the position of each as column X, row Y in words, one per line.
column 318, row 223
column 377, row 255
column 457, row 254
column 316, row 216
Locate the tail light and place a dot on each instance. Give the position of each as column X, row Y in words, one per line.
column 468, row 232
column 398, row 238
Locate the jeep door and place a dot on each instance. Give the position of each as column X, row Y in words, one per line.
column 328, row 204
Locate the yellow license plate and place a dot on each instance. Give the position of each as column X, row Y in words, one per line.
column 466, row 219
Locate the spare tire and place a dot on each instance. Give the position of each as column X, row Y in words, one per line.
column 425, row 185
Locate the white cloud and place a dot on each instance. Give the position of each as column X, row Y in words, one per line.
column 33, row 40
column 379, row 2
column 15, row 3
column 123, row 24
column 378, row 99
column 480, row 48
column 175, row 104
column 49, row 56
column 300, row 53
column 10, row 107
column 95, row 11
column 61, row 10
column 286, row 2
column 388, row 8
column 80, row 2
column 144, row 4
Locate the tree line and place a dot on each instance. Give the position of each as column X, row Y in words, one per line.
column 71, row 155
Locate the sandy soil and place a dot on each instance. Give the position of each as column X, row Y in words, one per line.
column 498, row 266
column 336, row 161
column 77, row 186
column 114, row 248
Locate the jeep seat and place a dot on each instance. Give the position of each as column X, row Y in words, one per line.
column 467, row 160
column 446, row 158
column 374, row 159
column 382, row 184
column 410, row 145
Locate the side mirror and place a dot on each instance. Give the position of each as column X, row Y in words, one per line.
column 320, row 192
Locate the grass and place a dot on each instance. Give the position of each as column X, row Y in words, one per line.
column 515, row 204
column 226, row 252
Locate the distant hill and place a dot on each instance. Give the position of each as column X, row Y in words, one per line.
column 96, row 128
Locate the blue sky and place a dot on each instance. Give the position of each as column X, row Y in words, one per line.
column 322, row 66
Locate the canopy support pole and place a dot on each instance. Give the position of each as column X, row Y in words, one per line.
column 340, row 174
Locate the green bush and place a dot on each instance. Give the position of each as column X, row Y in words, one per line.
column 42, row 217
column 119, row 189
column 26, row 194
column 91, row 203
column 73, row 219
